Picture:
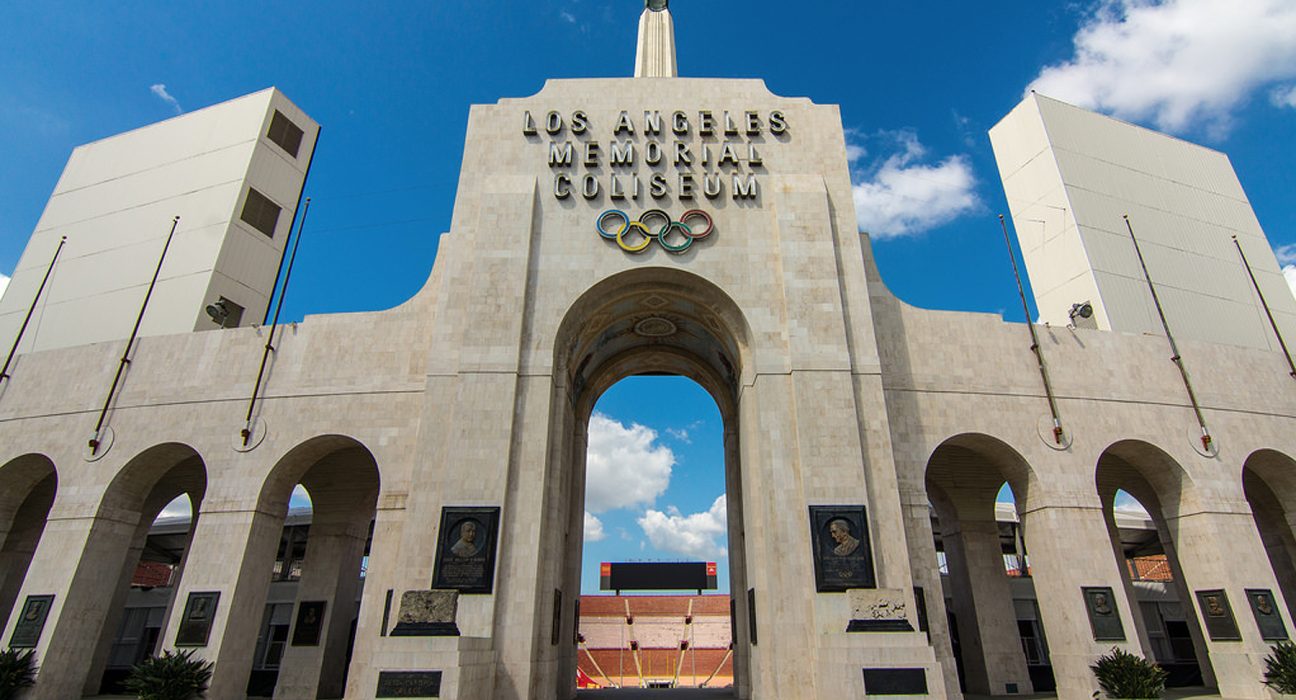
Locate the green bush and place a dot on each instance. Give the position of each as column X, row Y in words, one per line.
column 170, row 677
column 1280, row 668
column 17, row 671
column 1123, row 675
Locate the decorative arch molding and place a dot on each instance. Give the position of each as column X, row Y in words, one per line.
column 153, row 478
column 960, row 463
column 317, row 463
column 1148, row 473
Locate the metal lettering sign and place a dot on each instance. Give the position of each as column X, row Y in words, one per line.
column 409, row 684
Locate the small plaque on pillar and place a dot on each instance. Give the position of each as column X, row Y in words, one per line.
column 878, row 610
column 195, row 626
column 1267, row 617
column 1104, row 618
column 310, row 622
column 839, row 539
column 1217, row 616
column 409, row 684
column 27, row 630
column 427, row 614
column 465, row 559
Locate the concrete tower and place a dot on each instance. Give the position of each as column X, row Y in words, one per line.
column 232, row 172
column 655, row 54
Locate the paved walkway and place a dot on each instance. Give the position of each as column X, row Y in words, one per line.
column 655, row 694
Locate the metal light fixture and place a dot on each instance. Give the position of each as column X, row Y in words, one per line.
column 218, row 311
column 1083, row 310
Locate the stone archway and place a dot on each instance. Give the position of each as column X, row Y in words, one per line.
column 1269, row 482
column 648, row 321
column 1164, row 489
column 964, row 476
column 27, row 488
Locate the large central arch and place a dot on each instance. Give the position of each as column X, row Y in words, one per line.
column 649, row 321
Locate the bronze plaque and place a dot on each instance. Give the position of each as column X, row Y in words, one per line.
column 555, row 634
column 409, row 684
column 1104, row 618
column 1217, row 615
column 310, row 622
column 839, row 538
column 465, row 559
column 196, row 624
column 1267, row 617
column 27, row 631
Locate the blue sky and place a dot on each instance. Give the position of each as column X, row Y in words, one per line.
column 918, row 85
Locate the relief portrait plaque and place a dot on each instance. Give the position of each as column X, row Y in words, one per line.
column 843, row 558
column 27, row 631
column 1104, row 618
column 310, row 622
column 196, row 624
column 465, row 559
column 1217, row 615
column 1267, row 617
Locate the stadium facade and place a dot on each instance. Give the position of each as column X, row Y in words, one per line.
column 605, row 228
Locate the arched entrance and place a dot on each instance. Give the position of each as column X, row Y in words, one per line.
column 1153, row 576
column 647, row 321
column 1269, row 481
column 995, row 632
column 306, row 630
column 27, row 487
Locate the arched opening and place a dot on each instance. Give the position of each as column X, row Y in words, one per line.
column 655, row 500
column 143, row 588
column 977, row 485
column 27, row 487
column 649, row 322
column 1142, row 489
column 1269, row 482
column 325, row 493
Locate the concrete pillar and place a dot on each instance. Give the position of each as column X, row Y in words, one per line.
column 1137, row 622
column 1184, row 592
column 19, row 540
column 70, row 562
column 117, row 607
column 332, row 575
column 233, row 552
column 1070, row 548
column 1222, row 550
column 926, row 575
column 992, row 651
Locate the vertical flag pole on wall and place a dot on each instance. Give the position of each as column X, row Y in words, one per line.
column 1206, row 439
column 246, row 432
column 1059, row 435
column 125, row 358
column 1272, row 324
column 4, row 373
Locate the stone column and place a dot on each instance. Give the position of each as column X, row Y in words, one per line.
column 926, row 574
column 233, row 552
column 1070, row 548
column 332, row 575
column 117, row 607
column 1219, row 549
column 70, row 562
column 991, row 644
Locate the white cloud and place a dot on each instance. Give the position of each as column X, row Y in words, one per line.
column 180, row 507
column 695, row 535
column 593, row 528
column 1126, row 503
column 1286, row 254
column 1284, row 96
column 567, row 16
column 1176, row 62
column 681, row 434
column 4, row 283
column 161, row 91
column 899, row 196
column 624, row 465
column 1289, row 271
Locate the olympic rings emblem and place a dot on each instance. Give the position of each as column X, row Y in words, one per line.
column 634, row 236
